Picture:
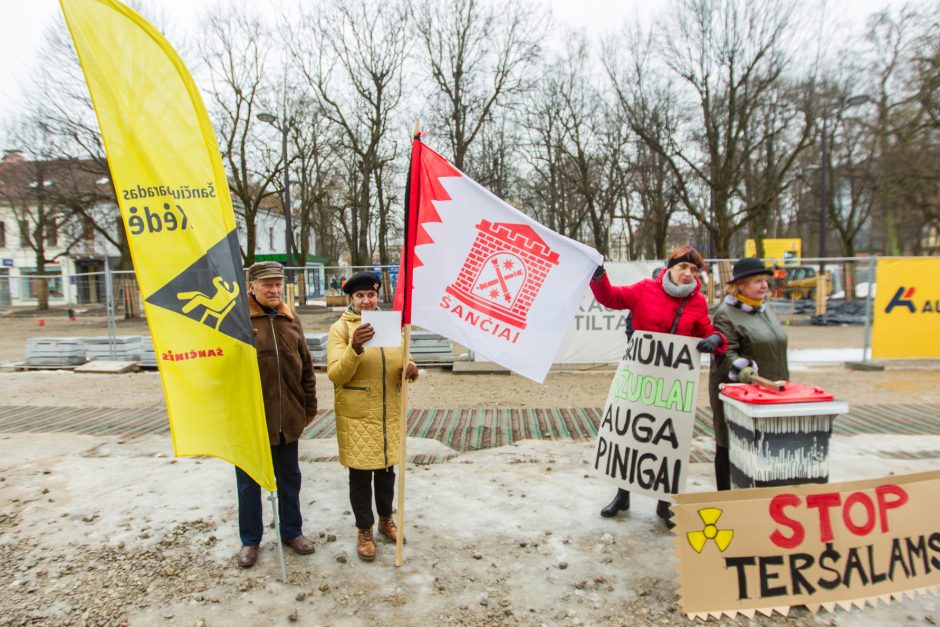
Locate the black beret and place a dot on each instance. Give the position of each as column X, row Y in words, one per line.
column 362, row 281
column 748, row 266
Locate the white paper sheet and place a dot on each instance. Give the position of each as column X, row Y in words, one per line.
column 387, row 325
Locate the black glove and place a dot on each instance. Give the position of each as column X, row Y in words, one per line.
column 598, row 272
column 742, row 368
column 709, row 344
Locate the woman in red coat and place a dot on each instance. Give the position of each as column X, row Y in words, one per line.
column 670, row 303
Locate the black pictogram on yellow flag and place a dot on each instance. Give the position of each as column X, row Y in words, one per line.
column 218, row 305
column 210, row 290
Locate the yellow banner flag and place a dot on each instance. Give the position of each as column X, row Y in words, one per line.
column 178, row 215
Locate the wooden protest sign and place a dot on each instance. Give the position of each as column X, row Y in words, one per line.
column 645, row 433
column 818, row 545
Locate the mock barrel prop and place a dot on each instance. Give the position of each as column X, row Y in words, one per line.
column 779, row 437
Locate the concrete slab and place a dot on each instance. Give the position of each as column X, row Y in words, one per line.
column 16, row 366
column 864, row 366
column 102, row 366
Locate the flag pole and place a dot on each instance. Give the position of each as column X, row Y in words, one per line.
column 272, row 496
column 403, row 437
column 405, row 351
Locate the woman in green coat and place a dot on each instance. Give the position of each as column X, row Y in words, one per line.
column 367, row 388
column 756, row 341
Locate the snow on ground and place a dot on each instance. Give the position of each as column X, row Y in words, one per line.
column 101, row 529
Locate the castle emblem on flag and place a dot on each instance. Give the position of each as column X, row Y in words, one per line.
column 504, row 270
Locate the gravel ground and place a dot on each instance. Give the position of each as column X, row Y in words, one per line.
column 102, row 531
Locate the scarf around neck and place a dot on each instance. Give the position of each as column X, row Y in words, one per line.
column 745, row 304
column 676, row 291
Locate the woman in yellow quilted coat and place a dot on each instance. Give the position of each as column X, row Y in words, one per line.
column 367, row 384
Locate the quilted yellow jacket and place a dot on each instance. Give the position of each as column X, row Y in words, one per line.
column 368, row 398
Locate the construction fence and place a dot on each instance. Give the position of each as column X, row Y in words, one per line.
column 833, row 291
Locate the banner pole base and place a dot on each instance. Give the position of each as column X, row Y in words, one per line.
column 272, row 496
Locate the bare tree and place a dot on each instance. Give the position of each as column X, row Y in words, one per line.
column 593, row 146
column 234, row 48
column 653, row 184
column 650, row 103
column 315, row 146
column 728, row 55
column 40, row 189
column 547, row 190
column 478, row 53
column 576, row 148
column 352, row 55
column 386, row 199
column 69, row 121
column 780, row 130
column 927, row 69
column 901, row 45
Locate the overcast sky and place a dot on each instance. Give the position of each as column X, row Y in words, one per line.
column 22, row 23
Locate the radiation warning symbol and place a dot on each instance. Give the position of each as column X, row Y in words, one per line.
column 722, row 537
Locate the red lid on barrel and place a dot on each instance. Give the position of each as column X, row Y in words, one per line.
column 792, row 393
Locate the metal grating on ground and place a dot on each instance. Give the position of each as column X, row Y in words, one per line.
column 460, row 429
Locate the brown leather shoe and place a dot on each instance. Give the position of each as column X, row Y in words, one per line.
column 365, row 545
column 301, row 545
column 388, row 529
column 247, row 556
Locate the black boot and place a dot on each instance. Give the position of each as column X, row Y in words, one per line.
column 620, row 502
column 665, row 512
column 722, row 468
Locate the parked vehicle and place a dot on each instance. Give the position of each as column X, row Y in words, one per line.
column 798, row 282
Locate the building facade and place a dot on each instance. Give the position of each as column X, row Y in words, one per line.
column 52, row 208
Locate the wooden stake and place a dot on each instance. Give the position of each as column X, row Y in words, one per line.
column 821, row 294
column 767, row 384
column 402, row 442
column 290, row 290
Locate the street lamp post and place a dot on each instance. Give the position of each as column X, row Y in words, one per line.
column 283, row 127
column 851, row 101
column 823, row 192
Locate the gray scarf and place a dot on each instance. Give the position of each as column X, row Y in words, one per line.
column 676, row 291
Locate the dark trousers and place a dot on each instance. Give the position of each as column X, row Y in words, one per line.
column 360, row 494
column 722, row 468
column 287, row 474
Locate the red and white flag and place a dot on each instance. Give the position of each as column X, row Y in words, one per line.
column 484, row 274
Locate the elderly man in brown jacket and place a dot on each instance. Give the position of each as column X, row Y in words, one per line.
column 288, row 386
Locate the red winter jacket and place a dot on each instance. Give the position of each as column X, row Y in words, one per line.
column 655, row 310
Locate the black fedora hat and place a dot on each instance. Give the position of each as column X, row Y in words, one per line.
column 748, row 266
column 362, row 281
